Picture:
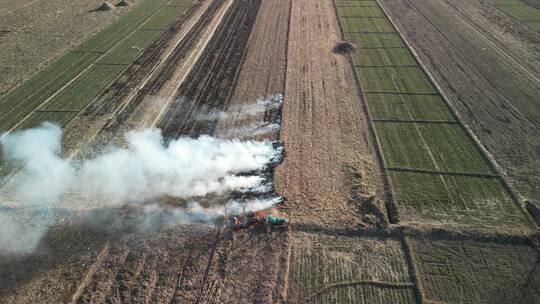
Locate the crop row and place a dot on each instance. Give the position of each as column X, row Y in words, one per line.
column 520, row 11
column 439, row 175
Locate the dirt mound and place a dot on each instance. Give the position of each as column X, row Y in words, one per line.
column 106, row 6
column 124, row 3
column 343, row 47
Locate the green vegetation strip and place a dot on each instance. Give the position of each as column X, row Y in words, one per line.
column 366, row 25
column 372, row 11
column 355, row 3
column 374, row 40
column 394, row 80
column 51, row 80
column 456, row 200
column 85, row 88
column 407, row 107
column 438, row 147
column 383, row 57
column 130, row 48
column 163, row 18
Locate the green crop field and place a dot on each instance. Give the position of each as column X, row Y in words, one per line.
column 374, row 40
column 429, row 146
column 355, row 3
column 383, row 57
column 41, row 87
column 407, row 107
column 129, row 49
column 521, row 12
column 369, row 25
column 394, row 80
column 163, row 18
column 360, row 11
column 477, row 272
column 456, row 200
column 79, row 93
column 327, row 268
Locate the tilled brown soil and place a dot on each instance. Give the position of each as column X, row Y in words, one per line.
column 490, row 77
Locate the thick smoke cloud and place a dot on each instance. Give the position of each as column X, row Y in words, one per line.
column 145, row 169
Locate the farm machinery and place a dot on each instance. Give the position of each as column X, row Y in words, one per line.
column 245, row 220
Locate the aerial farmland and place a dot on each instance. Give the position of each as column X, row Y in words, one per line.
column 270, row 151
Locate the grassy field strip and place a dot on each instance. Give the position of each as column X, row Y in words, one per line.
column 437, row 147
column 345, row 3
column 380, row 57
column 126, row 51
column 163, row 18
column 437, row 173
column 394, row 80
column 520, row 11
column 360, row 11
column 81, row 91
column 368, row 25
column 42, row 87
column 375, row 40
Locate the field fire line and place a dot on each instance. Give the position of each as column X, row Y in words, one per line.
column 162, row 182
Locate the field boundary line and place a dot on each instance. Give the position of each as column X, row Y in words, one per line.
column 491, row 162
column 436, row 172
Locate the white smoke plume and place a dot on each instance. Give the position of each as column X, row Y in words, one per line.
column 146, row 168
